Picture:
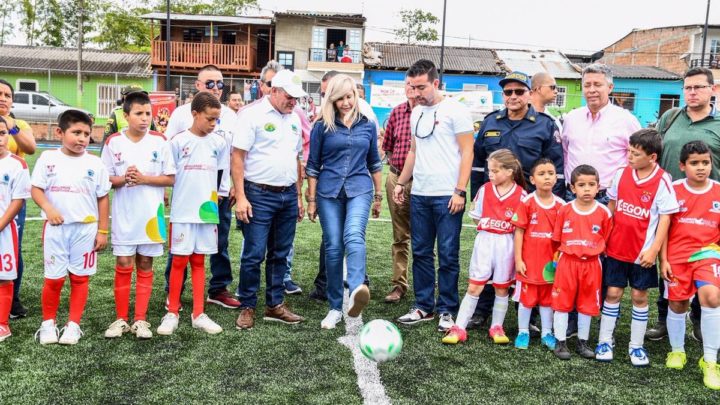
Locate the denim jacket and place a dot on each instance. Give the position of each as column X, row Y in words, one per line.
column 343, row 158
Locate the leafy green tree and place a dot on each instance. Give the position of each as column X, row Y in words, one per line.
column 28, row 20
column 417, row 26
column 121, row 29
column 8, row 11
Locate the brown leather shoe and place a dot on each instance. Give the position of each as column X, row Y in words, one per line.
column 246, row 319
column 395, row 295
column 281, row 313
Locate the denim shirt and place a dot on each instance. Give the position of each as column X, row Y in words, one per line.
column 343, row 158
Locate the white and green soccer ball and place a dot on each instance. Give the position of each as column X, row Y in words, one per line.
column 380, row 340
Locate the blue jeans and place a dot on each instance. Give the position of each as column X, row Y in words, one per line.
column 20, row 221
column 270, row 234
column 430, row 220
column 344, row 220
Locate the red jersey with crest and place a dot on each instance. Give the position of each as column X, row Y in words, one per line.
column 494, row 211
column 638, row 206
column 696, row 226
column 582, row 233
column 538, row 248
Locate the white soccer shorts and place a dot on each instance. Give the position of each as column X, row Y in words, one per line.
column 9, row 252
column 186, row 239
column 68, row 248
column 146, row 249
column 493, row 259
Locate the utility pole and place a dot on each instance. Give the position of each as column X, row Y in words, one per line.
column 707, row 15
column 442, row 45
column 80, row 12
column 168, row 86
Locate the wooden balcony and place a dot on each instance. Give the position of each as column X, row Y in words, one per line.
column 194, row 55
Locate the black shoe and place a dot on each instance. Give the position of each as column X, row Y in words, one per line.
column 317, row 295
column 534, row 331
column 561, row 350
column 18, row 310
column 584, row 350
column 657, row 332
column 476, row 322
column 696, row 331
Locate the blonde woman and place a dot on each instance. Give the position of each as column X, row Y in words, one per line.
column 344, row 173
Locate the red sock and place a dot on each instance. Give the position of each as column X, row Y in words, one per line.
column 197, row 265
column 51, row 297
column 78, row 296
column 143, row 289
column 177, row 273
column 6, row 297
column 123, row 279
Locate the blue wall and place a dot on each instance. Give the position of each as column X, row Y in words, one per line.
column 453, row 82
column 647, row 95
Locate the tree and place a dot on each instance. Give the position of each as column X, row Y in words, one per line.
column 51, row 23
column 417, row 26
column 8, row 10
column 207, row 7
column 28, row 21
column 120, row 29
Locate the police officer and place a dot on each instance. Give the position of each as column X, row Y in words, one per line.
column 116, row 121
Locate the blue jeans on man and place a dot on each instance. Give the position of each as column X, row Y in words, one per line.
column 431, row 221
column 269, row 234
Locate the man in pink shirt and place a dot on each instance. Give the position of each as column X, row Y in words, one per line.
column 597, row 134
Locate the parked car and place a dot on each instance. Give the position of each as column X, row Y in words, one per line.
column 39, row 106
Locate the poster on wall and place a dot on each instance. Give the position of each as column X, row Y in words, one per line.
column 163, row 104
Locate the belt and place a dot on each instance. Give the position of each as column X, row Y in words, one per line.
column 394, row 170
column 267, row 187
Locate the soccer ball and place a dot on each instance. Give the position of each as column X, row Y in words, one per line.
column 380, row 340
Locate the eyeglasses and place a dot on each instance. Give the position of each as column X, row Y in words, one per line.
column 211, row 84
column 417, row 124
column 518, row 92
column 696, row 88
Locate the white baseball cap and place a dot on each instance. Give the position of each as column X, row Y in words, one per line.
column 290, row 82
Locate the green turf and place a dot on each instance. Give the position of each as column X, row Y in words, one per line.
column 302, row 364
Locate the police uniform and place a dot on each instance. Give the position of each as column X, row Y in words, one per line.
column 117, row 122
column 531, row 138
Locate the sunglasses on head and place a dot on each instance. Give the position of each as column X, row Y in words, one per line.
column 518, row 92
column 211, row 84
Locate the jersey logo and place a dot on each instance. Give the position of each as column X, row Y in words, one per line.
column 508, row 213
column 683, row 208
column 534, row 218
column 566, row 227
column 90, row 174
column 632, row 210
column 154, row 157
column 6, row 178
column 294, row 128
column 491, row 134
column 50, row 169
column 595, row 228
column 269, row 127
column 118, row 156
column 645, row 197
column 715, row 207
column 186, row 151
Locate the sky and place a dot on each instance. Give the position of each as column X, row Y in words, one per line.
column 567, row 25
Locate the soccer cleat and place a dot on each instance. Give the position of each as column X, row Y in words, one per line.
column 224, row 299
column 141, row 330
column 331, row 320
column 657, row 332
column 446, row 322
column 676, row 360
column 639, row 357
column 205, row 324
column 416, row 315
column 522, row 341
column 168, row 324
column 17, row 310
column 497, row 334
column 4, row 332
column 477, row 321
column 711, row 374
column 549, row 341
column 696, row 330
column 584, row 350
column 359, row 299
column 534, row 330
column 167, row 304
column 117, row 329
column 604, row 352
column 48, row 333
column 455, row 335
column 291, row 288
column 561, row 350
column 71, row 334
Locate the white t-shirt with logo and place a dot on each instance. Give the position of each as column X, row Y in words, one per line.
column 273, row 142
column 72, row 184
column 197, row 161
column 14, row 180
column 182, row 120
column 437, row 152
column 138, row 212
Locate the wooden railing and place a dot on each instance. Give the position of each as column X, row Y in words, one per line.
column 196, row 55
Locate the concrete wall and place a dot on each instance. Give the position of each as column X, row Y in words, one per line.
column 294, row 34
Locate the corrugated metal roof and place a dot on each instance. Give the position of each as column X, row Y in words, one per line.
column 325, row 14
column 640, row 72
column 457, row 59
column 34, row 58
column 208, row 18
column 531, row 62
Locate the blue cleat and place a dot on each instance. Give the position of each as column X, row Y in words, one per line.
column 522, row 341
column 549, row 341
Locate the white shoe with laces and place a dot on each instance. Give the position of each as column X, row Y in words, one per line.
column 446, row 322
column 48, row 333
column 331, row 320
column 117, row 329
column 71, row 334
column 168, row 324
column 205, row 324
column 141, row 330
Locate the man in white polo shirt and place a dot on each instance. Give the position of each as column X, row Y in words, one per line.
column 266, row 167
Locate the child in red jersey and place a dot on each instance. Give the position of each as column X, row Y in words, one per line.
column 641, row 199
column 492, row 258
column 690, row 260
column 582, row 228
column 534, row 222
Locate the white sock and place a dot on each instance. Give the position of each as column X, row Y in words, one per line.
column 546, row 319
column 467, row 308
column 675, row 324
column 499, row 310
column 710, row 325
column 561, row 325
column 523, row 318
column 610, row 313
column 638, row 325
column 584, row 326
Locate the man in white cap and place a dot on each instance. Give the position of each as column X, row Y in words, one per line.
column 266, row 167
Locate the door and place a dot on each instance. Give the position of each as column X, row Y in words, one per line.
column 263, row 48
column 41, row 108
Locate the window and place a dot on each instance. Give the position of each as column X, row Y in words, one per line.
column 317, row 53
column 715, row 47
column 21, row 98
column 474, row 87
column 37, row 99
column 624, row 99
column 287, row 59
column 26, row 85
column 313, row 89
column 193, row 34
column 107, row 96
column 561, row 97
column 354, row 40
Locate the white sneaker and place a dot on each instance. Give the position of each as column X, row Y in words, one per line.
column 117, row 328
column 205, row 324
column 168, row 325
column 331, row 320
column 48, row 333
column 416, row 315
column 604, row 352
column 141, row 330
column 639, row 357
column 446, row 322
column 71, row 334
column 359, row 299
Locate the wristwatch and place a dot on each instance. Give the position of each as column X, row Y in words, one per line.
column 462, row 193
column 14, row 130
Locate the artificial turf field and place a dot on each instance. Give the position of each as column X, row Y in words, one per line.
column 280, row 364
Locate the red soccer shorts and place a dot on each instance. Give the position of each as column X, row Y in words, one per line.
column 532, row 295
column 577, row 285
column 682, row 286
